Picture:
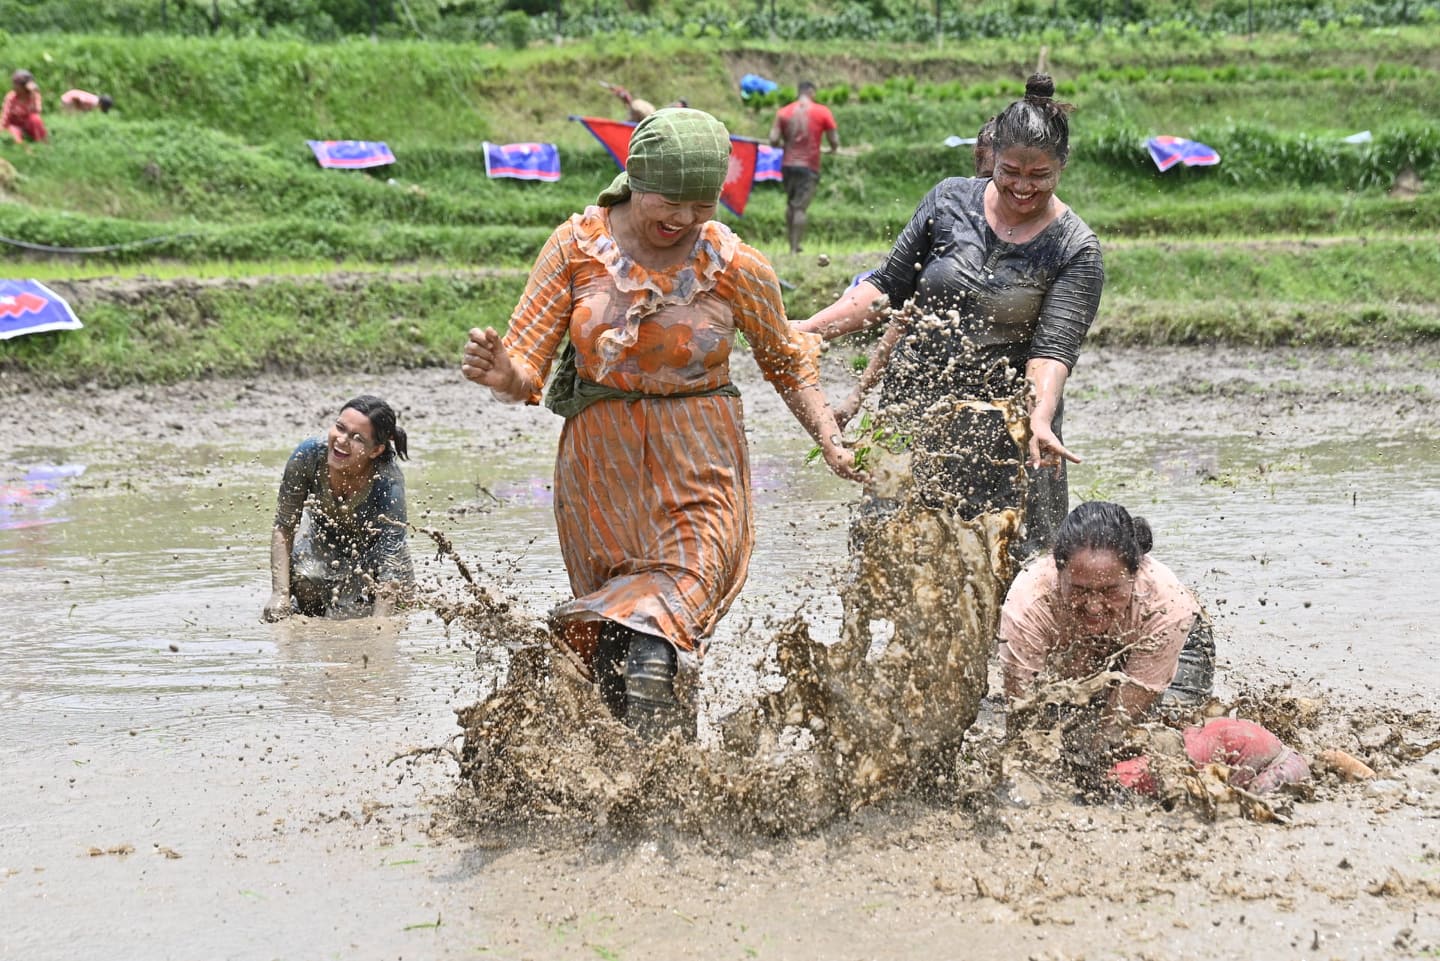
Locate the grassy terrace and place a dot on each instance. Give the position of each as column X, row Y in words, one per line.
column 262, row 260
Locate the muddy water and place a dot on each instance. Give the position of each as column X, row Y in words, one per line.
column 239, row 781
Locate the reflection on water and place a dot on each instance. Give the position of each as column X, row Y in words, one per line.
column 31, row 498
column 141, row 611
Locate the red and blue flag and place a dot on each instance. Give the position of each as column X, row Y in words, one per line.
column 614, row 136
column 29, row 307
column 767, row 164
column 1168, row 151
column 351, row 154
column 522, row 161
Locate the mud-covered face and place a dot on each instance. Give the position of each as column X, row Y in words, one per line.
column 1025, row 179
column 1096, row 589
column 666, row 223
column 351, row 446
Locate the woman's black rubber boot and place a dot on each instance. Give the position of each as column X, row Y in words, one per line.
column 611, row 649
column 650, row 706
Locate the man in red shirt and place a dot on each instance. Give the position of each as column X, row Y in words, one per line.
column 798, row 128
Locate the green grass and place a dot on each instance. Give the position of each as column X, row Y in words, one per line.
column 1292, row 239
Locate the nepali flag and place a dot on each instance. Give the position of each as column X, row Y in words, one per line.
column 767, row 165
column 29, row 307
column 351, row 154
column 522, row 161
column 614, row 136
column 1168, row 151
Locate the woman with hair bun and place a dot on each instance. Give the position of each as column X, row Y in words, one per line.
column 338, row 548
column 1100, row 602
column 1007, row 280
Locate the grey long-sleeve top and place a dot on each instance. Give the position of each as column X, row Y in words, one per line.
column 995, row 305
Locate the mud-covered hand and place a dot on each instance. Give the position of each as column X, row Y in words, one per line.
column 1045, row 448
column 846, row 409
column 841, row 460
column 487, row 363
column 277, row 608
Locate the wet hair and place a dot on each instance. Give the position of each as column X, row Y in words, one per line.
column 1035, row 120
column 1103, row 526
column 382, row 421
column 806, row 86
column 106, row 102
column 985, row 148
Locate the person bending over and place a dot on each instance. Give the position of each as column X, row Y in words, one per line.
column 1100, row 602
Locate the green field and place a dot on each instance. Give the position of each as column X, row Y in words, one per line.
column 203, row 172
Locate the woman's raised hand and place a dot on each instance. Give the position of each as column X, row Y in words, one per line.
column 486, row 362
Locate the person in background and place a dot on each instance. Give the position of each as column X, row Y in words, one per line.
column 338, row 547
column 984, row 157
column 82, row 101
column 984, row 151
column 799, row 127
column 652, row 478
column 1100, row 602
column 636, row 109
column 1006, row 279
column 21, row 112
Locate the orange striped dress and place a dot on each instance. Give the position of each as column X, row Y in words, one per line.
column 652, row 496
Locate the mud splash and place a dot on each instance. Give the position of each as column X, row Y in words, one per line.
column 879, row 714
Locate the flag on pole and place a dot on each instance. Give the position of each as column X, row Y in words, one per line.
column 522, row 161
column 351, row 154
column 29, row 307
column 1168, row 151
column 744, row 154
column 767, row 164
column 614, row 136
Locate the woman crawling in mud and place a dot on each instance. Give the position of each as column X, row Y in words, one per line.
column 338, row 548
column 652, row 478
column 1007, row 280
column 1100, row 602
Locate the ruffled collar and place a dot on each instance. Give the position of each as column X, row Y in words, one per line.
column 650, row 290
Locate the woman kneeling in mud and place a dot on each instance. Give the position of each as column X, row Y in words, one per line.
column 1100, row 602
column 338, row 549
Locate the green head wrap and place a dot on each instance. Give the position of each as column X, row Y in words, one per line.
column 678, row 153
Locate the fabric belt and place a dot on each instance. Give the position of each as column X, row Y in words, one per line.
column 568, row 393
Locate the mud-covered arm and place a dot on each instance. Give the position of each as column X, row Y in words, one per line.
column 296, row 485
column 392, row 551
column 879, row 357
column 1066, row 313
column 863, row 304
column 282, row 542
column 788, row 358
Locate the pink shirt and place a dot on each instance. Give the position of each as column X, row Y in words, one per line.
column 79, row 100
column 1035, row 638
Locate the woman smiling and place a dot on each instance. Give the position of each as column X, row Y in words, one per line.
column 338, row 547
column 1100, row 602
column 1008, row 280
column 652, row 479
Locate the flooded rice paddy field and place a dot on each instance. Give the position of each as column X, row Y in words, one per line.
column 183, row 781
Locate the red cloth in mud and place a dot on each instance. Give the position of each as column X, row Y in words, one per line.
column 1258, row 760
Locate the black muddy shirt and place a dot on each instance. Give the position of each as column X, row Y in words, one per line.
column 991, row 305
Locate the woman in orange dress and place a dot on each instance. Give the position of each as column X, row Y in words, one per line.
column 652, row 479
